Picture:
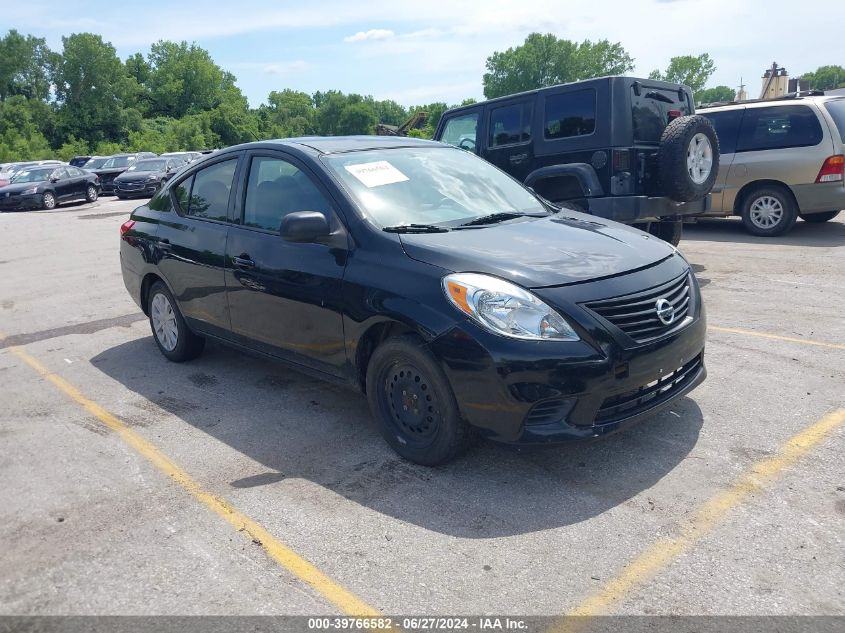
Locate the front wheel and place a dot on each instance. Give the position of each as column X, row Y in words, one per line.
column 170, row 331
column 817, row 218
column 91, row 193
column 768, row 212
column 48, row 200
column 413, row 404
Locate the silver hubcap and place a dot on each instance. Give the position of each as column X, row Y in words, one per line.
column 49, row 200
column 164, row 322
column 92, row 194
column 699, row 158
column 766, row 212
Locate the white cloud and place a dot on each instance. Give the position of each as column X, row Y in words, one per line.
column 372, row 34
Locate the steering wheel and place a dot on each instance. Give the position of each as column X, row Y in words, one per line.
column 467, row 144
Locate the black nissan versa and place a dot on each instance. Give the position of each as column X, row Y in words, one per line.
column 449, row 293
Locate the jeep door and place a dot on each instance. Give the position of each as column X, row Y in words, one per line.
column 462, row 129
column 727, row 124
column 285, row 297
column 193, row 243
column 509, row 138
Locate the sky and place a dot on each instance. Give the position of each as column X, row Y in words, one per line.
column 420, row 52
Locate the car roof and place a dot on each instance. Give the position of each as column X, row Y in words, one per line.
column 339, row 144
column 767, row 103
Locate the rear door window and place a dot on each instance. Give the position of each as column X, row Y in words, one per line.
column 510, row 124
column 836, row 109
column 779, row 127
column 462, row 131
column 570, row 114
column 205, row 194
column 727, row 128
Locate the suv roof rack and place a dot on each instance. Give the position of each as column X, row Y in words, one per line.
column 790, row 95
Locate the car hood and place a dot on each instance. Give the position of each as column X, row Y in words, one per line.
column 17, row 187
column 566, row 248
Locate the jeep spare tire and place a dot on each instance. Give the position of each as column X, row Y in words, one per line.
column 688, row 158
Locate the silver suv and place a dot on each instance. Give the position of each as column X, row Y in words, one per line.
column 780, row 159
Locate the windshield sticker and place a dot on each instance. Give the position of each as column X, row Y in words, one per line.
column 376, row 174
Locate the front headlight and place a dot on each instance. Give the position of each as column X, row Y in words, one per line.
column 505, row 308
column 30, row 191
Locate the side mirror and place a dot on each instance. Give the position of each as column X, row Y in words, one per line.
column 305, row 226
column 53, row 179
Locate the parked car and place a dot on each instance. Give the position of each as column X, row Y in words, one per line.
column 46, row 187
column 95, row 162
column 79, row 161
column 449, row 293
column 8, row 171
column 621, row 148
column 187, row 157
column 781, row 159
column 116, row 165
column 146, row 177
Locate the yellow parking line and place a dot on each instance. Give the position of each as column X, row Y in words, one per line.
column 777, row 337
column 663, row 552
column 341, row 597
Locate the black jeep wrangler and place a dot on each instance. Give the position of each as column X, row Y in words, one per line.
column 627, row 149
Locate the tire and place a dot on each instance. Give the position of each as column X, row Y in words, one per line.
column 768, row 212
column 818, row 218
column 170, row 332
column 48, row 200
column 688, row 158
column 119, row 197
column 91, row 194
column 668, row 231
column 402, row 373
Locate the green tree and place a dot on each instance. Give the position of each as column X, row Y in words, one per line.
column 357, row 118
column 91, row 84
column 689, row 70
column 20, row 138
column 390, row 112
column 826, row 78
column 25, row 63
column 545, row 60
column 715, row 95
column 73, row 147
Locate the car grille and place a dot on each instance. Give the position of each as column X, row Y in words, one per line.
column 636, row 314
column 631, row 403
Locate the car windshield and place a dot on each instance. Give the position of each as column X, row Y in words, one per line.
column 94, row 163
column 148, row 165
column 430, row 185
column 118, row 161
column 33, row 175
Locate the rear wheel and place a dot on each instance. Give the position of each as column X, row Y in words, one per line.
column 819, row 217
column 413, row 404
column 91, row 193
column 170, row 331
column 668, row 231
column 768, row 212
column 48, row 200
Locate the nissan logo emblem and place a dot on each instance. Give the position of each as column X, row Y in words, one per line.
column 665, row 311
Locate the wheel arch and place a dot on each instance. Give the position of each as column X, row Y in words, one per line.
column 370, row 339
column 146, row 283
column 749, row 188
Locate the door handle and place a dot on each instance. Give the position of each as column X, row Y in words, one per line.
column 243, row 261
column 515, row 159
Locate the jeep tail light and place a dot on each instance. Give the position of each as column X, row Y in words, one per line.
column 126, row 226
column 674, row 114
column 833, row 169
column 621, row 160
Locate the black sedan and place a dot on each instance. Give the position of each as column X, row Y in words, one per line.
column 450, row 294
column 145, row 177
column 48, row 187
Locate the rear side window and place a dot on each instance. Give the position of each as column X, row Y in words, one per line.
column 727, row 128
column 462, row 131
column 206, row 193
column 836, row 109
column 510, row 124
column 275, row 188
column 779, row 128
column 570, row 114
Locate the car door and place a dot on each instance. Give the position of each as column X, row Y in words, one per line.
column 462, row 130
column 284, row 297
column 727, row 124
column 62, row 184
column 193, row 243
column 78, row 182
column 509, row 145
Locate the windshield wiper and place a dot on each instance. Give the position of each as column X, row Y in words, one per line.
column 415, row 228
column 493, row 218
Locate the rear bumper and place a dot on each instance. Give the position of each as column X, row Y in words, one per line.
column 637, row 208
column 820, row 197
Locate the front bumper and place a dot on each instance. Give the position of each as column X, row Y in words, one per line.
column 20, row 203
column 546, row 392
column 638, row 208
column 131, row 190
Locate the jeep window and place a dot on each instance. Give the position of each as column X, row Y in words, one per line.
column 727, row 128
column 836, row 109
column 462, row 131
column 510, row 124
column 653, row 109
column 570, row 114
column 778, row 127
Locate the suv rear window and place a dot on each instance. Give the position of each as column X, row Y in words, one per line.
column 650, row 110
column 510, row 124
column 570, row 114
column 836, row 108
column 779, row 127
